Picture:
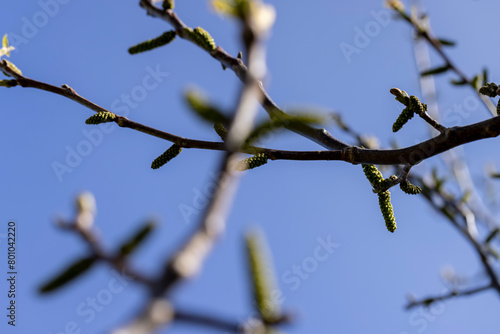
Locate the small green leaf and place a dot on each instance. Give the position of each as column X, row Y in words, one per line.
column 437, row 70
column 445, row 42
column 76, row 269
column 263, row 278
column 136, row 240
column 400, row 95
column 168, row 4
column 282, row 122
column 5, row 42
column 476, row 82
column 13, row 67
column 199, row 103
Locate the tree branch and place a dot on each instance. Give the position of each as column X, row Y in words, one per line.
column 452, row 294
column 320, row 136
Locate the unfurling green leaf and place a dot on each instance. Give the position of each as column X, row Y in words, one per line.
column 476, row 82
column 282, row 122
column 168, row 4
column 373, row 175
column 220, row 130
column 164, row 39
column 6, row 49
column 263, row 278
column 199, row 103
column 409, row 188
column 73, row 271
column 201, row 37
column 384, row 201
column 168, row 155
column 491, row 89
column 400, row 95
column 437, row 70
column 12, row 67
column 252, row 162
column 8, row 83
column 236, row 8
column 446, row 42
column 136, row 240
column 101, row 117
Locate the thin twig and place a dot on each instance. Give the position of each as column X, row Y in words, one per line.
column 424, row 32
column 320, row 136
column 452, row 294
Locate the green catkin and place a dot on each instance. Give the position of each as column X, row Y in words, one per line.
column 373, row 175
column 400, row 95
column 403, row 118
column 201, row 37
column 164, row 39
column 409, row 188
column 168, row 155
column 416, row 106
column 101, row 117
column 220, row 130
column 252, row 162
column 489, row 90
column 168, row 4
column 384, row 201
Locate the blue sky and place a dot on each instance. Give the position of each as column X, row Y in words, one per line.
column 359, row 287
